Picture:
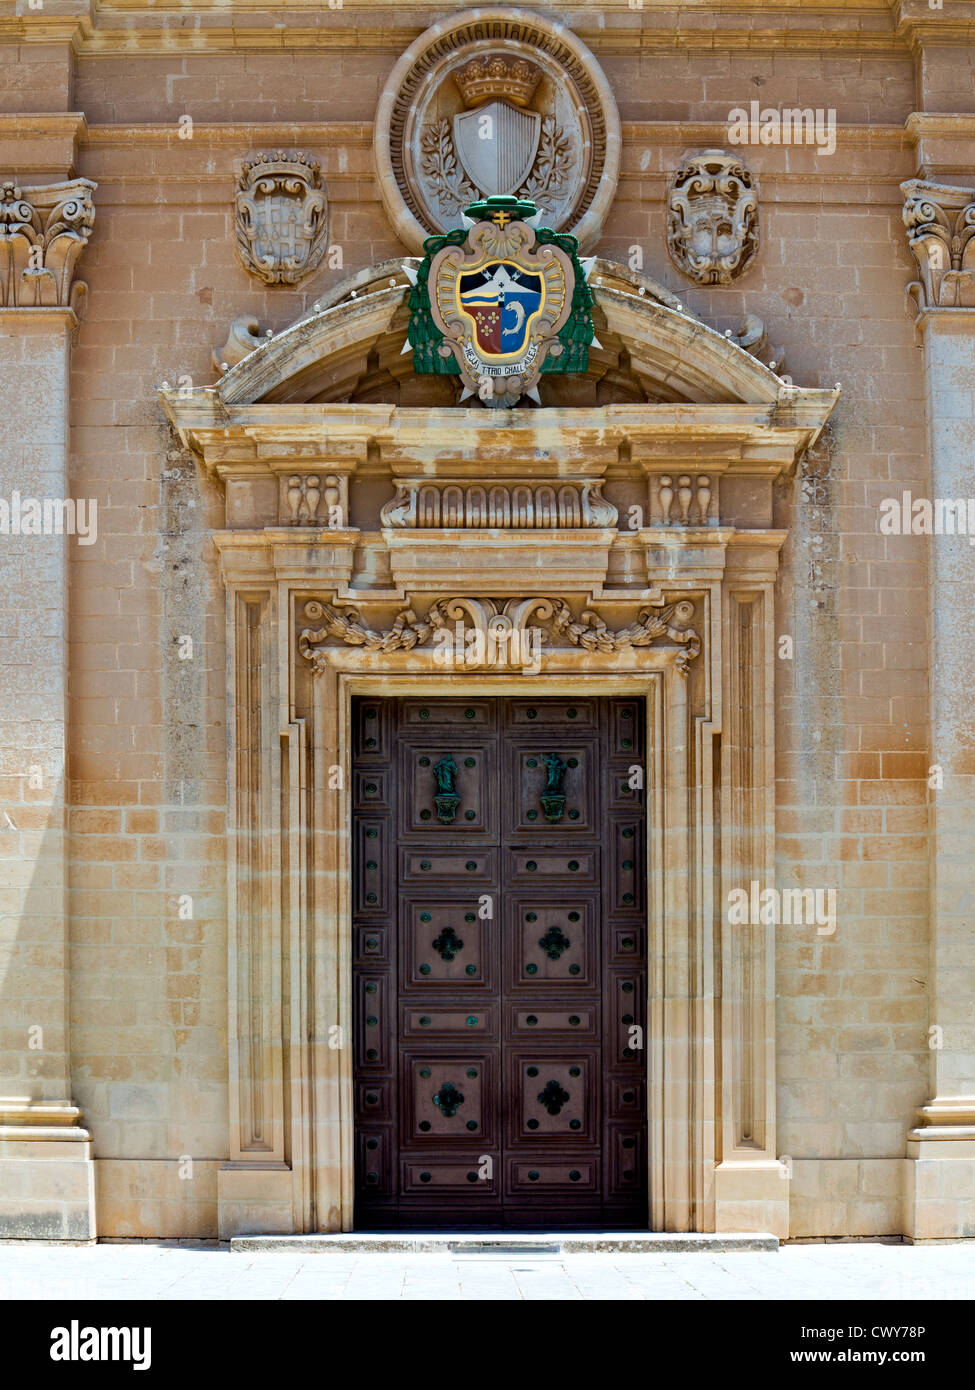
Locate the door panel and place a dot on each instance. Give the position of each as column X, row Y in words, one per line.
column 448, row 1101
column 499, row 888
column 469, row 808
column 551, row 945
column 445, row 945
column 532, row 815
column 557, row 1099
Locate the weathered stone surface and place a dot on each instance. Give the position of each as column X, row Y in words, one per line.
column 637, row 1244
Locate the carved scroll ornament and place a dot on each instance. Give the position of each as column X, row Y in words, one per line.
column 592, row 633
column 243, row 338
column 940, row 222
column 43, row 232
column 712, row 218
column 481, row 615
column 499, row 623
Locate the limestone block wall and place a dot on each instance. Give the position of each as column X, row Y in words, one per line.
column 851, row 702
column 148, row 763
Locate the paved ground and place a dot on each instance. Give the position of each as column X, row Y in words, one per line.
column 170, row 1271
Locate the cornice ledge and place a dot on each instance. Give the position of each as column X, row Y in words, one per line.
column 957, row 125
column 36, row 1121
column 65, row 21
column 948, row 1118
column 230, row 29
column 277, row 133
column 56, row 312
column 917, row 24
column 210, row 429
column 46, row 123
column 682, row 132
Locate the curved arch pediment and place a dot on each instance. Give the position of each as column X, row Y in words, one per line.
column 351, row 348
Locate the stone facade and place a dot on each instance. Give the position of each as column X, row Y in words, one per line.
column 285, row 510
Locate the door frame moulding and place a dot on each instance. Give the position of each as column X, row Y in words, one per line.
column 712, row 1158
column 648, row 686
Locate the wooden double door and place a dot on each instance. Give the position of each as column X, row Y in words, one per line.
column 500, row 963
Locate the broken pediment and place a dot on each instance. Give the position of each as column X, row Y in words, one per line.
column 331, row 445
column 351, row 348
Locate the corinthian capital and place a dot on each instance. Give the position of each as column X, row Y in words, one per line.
column 940, row 222
column 43, row 232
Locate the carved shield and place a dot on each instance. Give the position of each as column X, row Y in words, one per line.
column 497, row 145
column 282, row 233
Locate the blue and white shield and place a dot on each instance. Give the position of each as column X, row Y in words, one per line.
column 502, row 302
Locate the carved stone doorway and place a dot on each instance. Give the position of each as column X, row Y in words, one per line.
column 367, row 511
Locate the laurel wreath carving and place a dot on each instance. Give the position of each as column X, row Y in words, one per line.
column 438, row 160
column 553, row 164
column 545, row 185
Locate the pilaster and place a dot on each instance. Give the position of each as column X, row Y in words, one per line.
column 46, row 1167
column 751, row 1187
column 941, row 1179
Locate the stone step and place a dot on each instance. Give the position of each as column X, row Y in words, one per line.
column 450, row 1242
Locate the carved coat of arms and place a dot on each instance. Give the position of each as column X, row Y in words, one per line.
column 500, row 303
column 497, row 140
column 502, row 147
column 282, row 216
column 712, row 218
column 492, row 104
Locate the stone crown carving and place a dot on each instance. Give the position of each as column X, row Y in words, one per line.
column 712, row 218
column 281, row 216
column 940, row 222
column 497, row 76
column 43, row 232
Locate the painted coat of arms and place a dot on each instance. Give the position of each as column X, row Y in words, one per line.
column 500, row 303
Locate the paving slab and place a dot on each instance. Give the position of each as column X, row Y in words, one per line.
column 823, row 1273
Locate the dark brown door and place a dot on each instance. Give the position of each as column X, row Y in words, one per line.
column 500, row 963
